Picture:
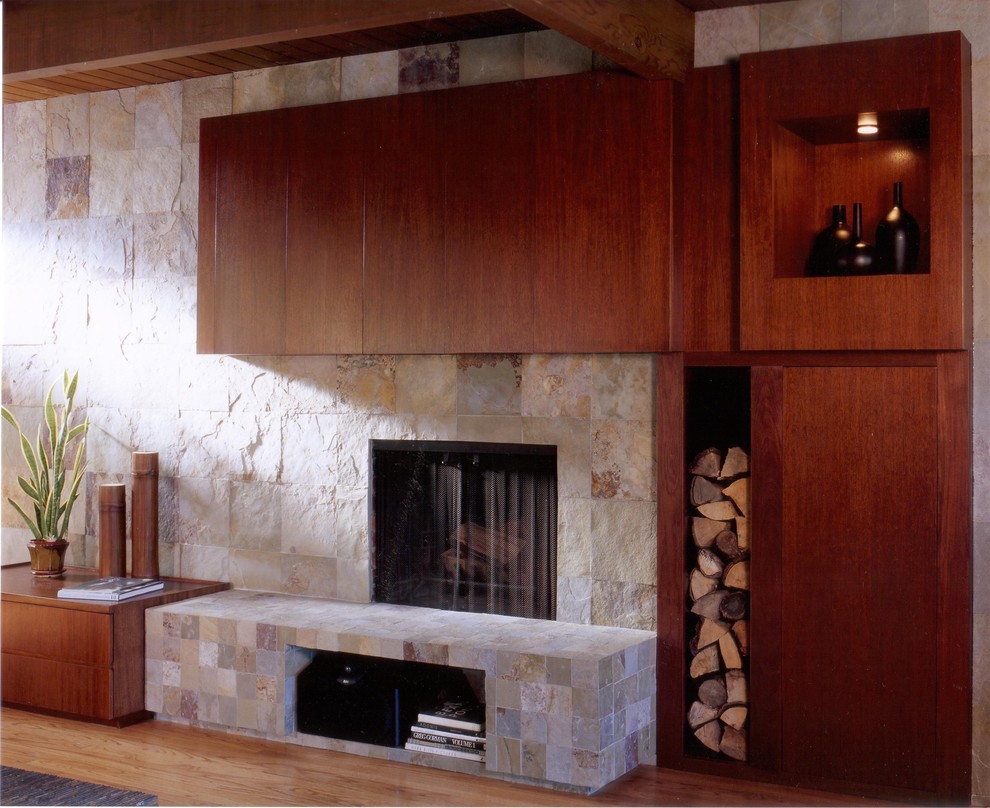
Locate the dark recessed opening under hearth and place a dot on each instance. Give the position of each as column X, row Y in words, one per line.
column 465, row 526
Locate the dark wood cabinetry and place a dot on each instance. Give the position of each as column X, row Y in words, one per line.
column 800, row 154
column 518, row 217
column 84, row 659
column 604, row 212
column 860, row 587
column 857, row 400
column 241, row 306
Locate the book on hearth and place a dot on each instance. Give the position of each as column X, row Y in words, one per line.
column 456, row 715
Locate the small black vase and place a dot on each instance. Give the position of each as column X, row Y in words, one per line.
column 858, row 257
column 898, row 238
column 828, row 243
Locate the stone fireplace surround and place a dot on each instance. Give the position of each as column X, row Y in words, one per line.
column 569, row 706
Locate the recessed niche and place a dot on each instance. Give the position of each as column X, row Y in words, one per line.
column 821, row 162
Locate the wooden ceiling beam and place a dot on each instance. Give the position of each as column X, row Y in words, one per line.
column 49, row 37
column 653, row 38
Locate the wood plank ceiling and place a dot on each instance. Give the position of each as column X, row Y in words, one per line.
column 62, row 47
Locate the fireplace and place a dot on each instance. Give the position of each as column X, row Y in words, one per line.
column 465, row 526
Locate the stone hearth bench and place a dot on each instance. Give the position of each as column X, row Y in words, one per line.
column 567, row 705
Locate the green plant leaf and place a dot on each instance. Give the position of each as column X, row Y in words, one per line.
column 8, row 416
column 30, row 523
column 29, row 457
column 28, row 488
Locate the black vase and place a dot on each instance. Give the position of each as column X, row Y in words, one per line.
column 827, row 244
column 898, row 238
column 858, row 257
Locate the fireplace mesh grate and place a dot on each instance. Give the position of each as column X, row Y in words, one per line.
column 465, row 527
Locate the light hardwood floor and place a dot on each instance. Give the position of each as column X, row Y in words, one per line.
column 188, row 766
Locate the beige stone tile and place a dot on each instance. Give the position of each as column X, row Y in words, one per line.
column 204, row 514
column 800, row 23
column 158, row 115
column 721, row 36
column 24, row 193
column 308, row 520
column 206, row 97
column 312, row 83
column 366, row 384
column 489, row 385
column 255, row 515
column 880, row 19
column 624, row 546
column 189, row 183
column 972, row 17
column 981, row 707
column 204, row 563
column 426, row 385
column 548, row 53
column 624, row 387
column 626, row 605
column 490, row 428
column 981, row 291
column 24, row 132
column 307, row 575
column 556, row 386
column 492, row 59
column 981, row 106
column 255, row 569
column 255, row 90
column 111, row 120
column 353, row 580
column 68, row 126
column 574, row 537
column 572, row 438
column 111, row 183
column 369, row 76
column 157, row 173
column 623, row 462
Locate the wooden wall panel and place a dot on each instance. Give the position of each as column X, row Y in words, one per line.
column 604, row 243
column 249, row 277
column 325, row 228
column 404, row 283
column 706, row 208
column 859, row 584
column 490, row 220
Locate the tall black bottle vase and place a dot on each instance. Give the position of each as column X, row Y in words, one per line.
column 858, row 257
column 898, row 238
column 827, row 244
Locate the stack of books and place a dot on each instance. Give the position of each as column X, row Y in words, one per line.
column 111, row 589
column 454, row 729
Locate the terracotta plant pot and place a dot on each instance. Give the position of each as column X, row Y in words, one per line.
column 47, row 557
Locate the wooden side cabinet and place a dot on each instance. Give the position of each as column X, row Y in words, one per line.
column 82, row 659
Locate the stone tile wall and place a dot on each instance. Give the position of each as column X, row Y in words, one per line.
column 264, row 460
column 102, row 277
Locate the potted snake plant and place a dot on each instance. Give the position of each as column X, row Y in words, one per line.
column 49, row 489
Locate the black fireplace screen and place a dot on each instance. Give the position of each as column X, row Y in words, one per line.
column 465, row 526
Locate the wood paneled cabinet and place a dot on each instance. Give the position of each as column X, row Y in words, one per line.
column 83, row 659
column 800, row 153
column 520, row 217
column 860, row 531
column 851, row 395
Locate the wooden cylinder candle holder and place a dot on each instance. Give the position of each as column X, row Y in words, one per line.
column 144, row 515
column 113, row 530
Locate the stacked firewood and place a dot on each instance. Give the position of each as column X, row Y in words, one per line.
column 718, row 586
